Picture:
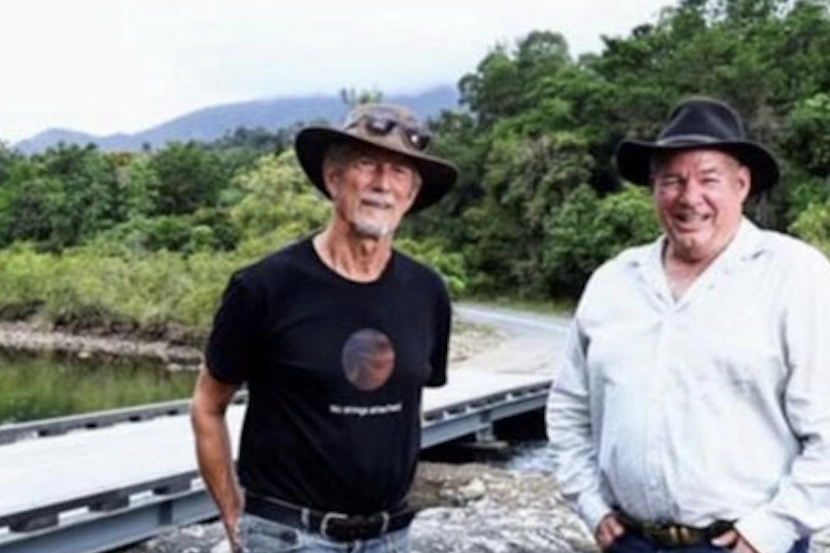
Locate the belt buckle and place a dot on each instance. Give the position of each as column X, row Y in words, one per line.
column 327, row 518
column 652, row 529
column 384, row 517
column 670, row 535
column 675, row 535
column 661, row 534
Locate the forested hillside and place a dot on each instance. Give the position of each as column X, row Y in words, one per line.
column 145, row 241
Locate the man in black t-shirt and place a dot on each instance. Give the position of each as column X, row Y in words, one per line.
column 335, row 336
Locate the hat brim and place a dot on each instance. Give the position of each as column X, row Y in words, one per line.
column 633, row 159
column 311, row 144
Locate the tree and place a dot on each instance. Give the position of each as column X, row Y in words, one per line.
column 59, row 198
column 7, row 159
column 189, row 177
column 588, row 230
column 140, row 185
column 278, row 195
column 507, row 82
column 813, row 225
column 808, row 137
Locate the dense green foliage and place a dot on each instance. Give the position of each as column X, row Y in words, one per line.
column 148, row 240
column 158, row 274
column 534, row 213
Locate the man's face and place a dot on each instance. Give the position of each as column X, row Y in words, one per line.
column 699, row 196
column 373, row 190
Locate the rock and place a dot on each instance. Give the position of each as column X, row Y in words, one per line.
column 30, row 337
column 195, row 531
column 169, row 344
column 222, row 547
column 513, row 512
column 474, row 490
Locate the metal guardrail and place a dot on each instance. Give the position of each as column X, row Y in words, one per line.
column 109, row 523
column 115, row 518
column 465, row 418
column 11, row 433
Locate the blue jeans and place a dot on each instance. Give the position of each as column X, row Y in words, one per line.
column 259, row 535
column 631, row 543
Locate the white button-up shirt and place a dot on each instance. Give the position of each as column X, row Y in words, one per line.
column 714, row 406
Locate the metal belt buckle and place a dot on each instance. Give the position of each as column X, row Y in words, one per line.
column 670, row 535
column 659, row 533
column 384, row 517
column 674, row 535
column 687, row 539
column 327, row 518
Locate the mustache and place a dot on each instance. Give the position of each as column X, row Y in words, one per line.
column 378, row 200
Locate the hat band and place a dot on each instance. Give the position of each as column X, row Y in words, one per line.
column 382, row 123
column 689, row 138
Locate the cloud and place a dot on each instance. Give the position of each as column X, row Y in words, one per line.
column 104, row 66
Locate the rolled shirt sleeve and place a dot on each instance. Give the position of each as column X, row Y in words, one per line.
column 569, row 429
column 801, row 505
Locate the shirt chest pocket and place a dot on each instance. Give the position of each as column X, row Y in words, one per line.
column 619, row 357
column 741, row 361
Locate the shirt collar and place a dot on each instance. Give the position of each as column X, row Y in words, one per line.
column 747, row 243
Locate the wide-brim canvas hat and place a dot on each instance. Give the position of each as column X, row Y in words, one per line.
column 389, row 127
column 694, row 124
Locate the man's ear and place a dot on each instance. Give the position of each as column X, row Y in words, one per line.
column 332, row 176
column 745, row 181
column 415, row 190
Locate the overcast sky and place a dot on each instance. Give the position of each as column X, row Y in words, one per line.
column 105, row 66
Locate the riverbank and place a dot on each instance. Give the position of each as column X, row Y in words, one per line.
column 53, row 374
column 32, row 338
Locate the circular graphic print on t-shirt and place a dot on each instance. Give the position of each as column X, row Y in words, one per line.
column 368, row 359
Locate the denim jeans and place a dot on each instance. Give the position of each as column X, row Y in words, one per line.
column 259, row 535
column 631, row 543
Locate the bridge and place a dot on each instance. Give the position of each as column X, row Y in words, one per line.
column 91, row 483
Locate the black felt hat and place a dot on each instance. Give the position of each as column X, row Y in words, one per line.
column 700, row 123
column 387, row 126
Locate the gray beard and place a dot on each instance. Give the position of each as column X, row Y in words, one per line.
column 372, row 231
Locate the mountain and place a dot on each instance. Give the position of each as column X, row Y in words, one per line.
column 213, row 122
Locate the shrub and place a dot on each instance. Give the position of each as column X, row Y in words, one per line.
column 587, row 230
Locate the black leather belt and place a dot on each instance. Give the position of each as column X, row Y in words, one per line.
column 334, row 526
column 671, row 535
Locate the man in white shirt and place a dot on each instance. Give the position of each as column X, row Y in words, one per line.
column 693, row 406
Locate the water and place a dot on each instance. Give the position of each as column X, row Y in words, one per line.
column 529, row 456
column 50, row 386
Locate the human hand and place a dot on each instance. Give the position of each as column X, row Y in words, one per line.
column 232, row 530
column 608, row 531
column 734, row 541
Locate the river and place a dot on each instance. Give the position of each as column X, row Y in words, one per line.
column 44, row 386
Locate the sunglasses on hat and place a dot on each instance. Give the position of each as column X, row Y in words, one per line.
column 382, row 122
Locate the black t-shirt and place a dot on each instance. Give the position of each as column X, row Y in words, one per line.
column 335, row 370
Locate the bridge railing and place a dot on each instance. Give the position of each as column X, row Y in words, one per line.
column 10, row 433
column 117, row 517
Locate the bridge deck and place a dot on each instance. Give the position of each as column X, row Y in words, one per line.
column 45, row 471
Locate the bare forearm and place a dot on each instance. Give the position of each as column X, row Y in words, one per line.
column 213, row 450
